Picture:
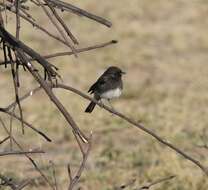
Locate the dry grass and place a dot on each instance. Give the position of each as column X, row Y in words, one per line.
column 163, row 47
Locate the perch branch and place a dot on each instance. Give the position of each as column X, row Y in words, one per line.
column 137, row 125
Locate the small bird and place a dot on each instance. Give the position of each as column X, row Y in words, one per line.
column 108, row 86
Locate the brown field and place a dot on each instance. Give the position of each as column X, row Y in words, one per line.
column 163, row 48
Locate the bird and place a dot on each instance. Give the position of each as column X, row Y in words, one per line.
column 108, row 86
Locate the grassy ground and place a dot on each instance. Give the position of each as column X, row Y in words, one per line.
column 163, row 48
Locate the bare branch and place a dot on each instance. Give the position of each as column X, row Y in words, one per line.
column 32, row 92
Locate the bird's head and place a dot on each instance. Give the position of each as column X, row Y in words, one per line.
column 113, row 70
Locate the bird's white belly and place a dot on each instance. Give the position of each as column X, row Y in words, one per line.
column 114, row 93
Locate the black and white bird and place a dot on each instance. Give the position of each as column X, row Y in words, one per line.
column 108, row 86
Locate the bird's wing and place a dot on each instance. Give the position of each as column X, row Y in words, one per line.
column 99, row 84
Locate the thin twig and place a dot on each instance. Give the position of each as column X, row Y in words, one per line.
column 148, row 186
column 69, row 7
column 34, row 24
column 4, row 140
column 7, row 153
column 80, row 50
column 1, row 19
column 74, row 180
column 17, row 6
column 53, row 98
column 28, row 157
column 23, row 184
column 7, row 182
column 204, row 139
column 17, row 44
column 32, row 92
column 54, row 22
column 15, row 83
column 54, row 174
column 69, row 172
column 130, row 183
column 26, row 124
column 27, row 14
column 65, row 27
column 11, row 128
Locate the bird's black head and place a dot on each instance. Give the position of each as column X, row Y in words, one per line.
column 114, row 71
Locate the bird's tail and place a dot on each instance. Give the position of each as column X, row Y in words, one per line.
column 90, row 107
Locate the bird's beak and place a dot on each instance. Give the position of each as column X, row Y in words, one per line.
column 123, row 73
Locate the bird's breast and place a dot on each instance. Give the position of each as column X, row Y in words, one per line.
column 113, row 93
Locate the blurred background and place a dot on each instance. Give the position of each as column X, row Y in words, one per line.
column 163, row 48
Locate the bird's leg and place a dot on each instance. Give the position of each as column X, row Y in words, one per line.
column 102, row 104
column 111, row 106
column 110, row 103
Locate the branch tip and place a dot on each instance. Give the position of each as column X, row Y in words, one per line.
column 114, row 41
